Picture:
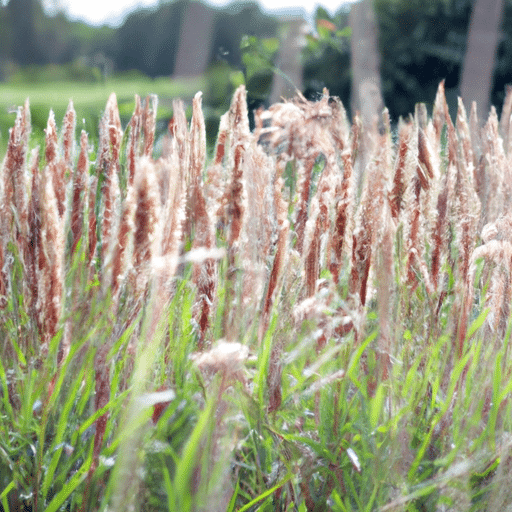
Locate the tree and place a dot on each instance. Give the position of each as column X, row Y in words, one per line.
column 479, row 61
column 5, row 41
column 421, row 43
column 366, row 84
column 327, row 56
column 25, row 19
column 194, row 47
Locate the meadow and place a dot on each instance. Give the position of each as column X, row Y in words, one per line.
column 89, row 99
column 315, row 317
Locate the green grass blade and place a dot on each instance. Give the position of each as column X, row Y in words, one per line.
column 69, row 487
column 266, row 494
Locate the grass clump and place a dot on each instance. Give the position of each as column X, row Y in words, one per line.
column 316, row 318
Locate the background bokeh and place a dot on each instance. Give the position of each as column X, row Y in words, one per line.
column 181, row 45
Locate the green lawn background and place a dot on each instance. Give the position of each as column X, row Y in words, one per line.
column 89, row 101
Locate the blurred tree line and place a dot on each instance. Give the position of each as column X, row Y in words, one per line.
column 421, row 42
column 147, row 41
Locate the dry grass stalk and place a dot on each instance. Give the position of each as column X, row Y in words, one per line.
column 234, row 214
column 3, row 280
column 279, row 258
column 14, row 184
column 133, row 147
column 204, row 274
column 369, row 216
column 55, row 168
column 466, row 223
column 215, row 177
column 496, row 253
column 236, row 202
column 232, row 204
column 220, row 148
column 145, row 225
column 425, row 168
column 361, row 253
column 385, row 277
column 80, row 184
column 224, row 357
column 33, row 254
column 339, row 126
column 439, row 111
column 239, row 118
column 468, row 202
column 464, row 132
column 108, row 166
column 498, row 187
column 474, row 128
column 383, row 243
column 68, row 136
column 413, row 235
column 51, row 272
column 260, row 230
column 119, row 258
column 101, row 399
column 342, row 216
column 179, row 134
column 303, row 189
column 318, row 225
column 299, row 131
column 149, row 124
column 173, row 221
column 92, row 222
column 439, row 235
column 399, row 179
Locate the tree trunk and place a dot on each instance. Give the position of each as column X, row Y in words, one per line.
column 289, row 62
column 482, row 45
column 195, row 40
column 366, row 84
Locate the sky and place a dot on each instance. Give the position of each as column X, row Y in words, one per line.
column 112, row 12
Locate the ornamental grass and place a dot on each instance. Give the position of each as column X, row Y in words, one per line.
column 315, row 317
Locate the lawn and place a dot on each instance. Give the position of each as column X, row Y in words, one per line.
column 89, row 100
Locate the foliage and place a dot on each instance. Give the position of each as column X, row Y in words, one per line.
column 40, row 75
column 148, row 40
column 421, row 43
column 326, row 57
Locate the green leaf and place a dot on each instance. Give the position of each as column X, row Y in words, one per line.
column 344, row 32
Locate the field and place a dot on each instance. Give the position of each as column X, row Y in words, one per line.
column 316, row 317
column 89, row 101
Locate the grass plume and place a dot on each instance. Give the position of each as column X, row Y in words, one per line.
column 275, row 327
